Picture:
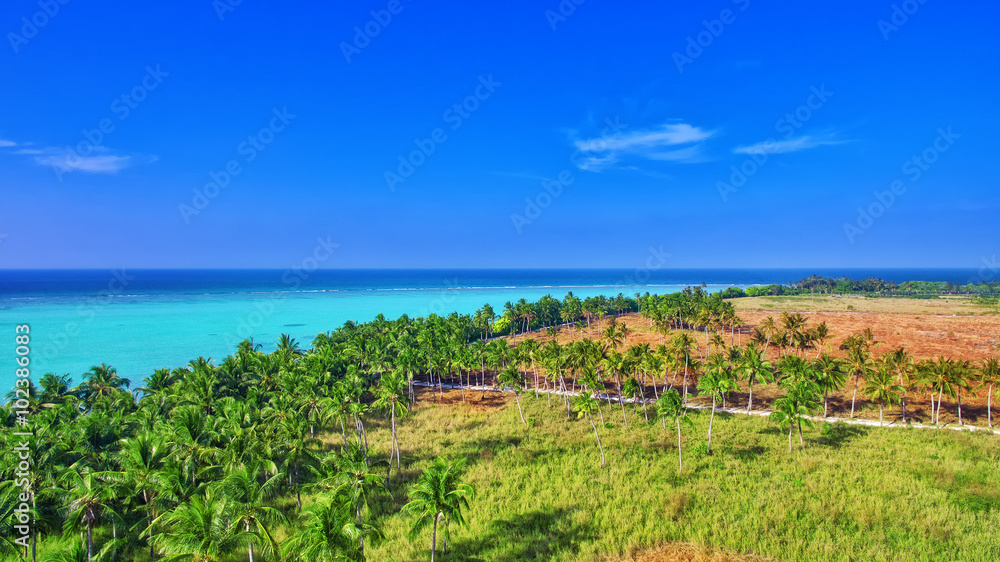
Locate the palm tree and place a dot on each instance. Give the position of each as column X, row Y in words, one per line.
column 881, row 387
column 989, row 375
column 246, row 498
column 769, row 327
column 669, row 405
column 439, row 494
column 199, row 530
column 821, row 333
column 586, row 404
column 830, row 376
column 101, row 382
column 634, row 390
column 754, row 367
column 294, row 446
column 795, row 407
column 859, row 360
column 511, row 376
column 91, row 498
column 329, row 532
column 391, row 397
column 681, row 346
column 353, row 471
column 142, row 460
column 962, row 377
column 937, row 375
column 716, row 381
column 900, row 362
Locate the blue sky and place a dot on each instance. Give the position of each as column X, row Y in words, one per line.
column 238, row 137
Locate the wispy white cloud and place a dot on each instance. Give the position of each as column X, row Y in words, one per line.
column 772, row 146
column 664, row 143
column 104, row 164
column 99, row 160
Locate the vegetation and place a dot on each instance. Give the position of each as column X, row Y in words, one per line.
column 289, row 455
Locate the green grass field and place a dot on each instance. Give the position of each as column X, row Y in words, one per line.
column 852, row 494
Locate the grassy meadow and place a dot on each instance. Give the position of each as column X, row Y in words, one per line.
column 853, row 493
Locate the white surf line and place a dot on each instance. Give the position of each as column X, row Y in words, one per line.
column 761, row 413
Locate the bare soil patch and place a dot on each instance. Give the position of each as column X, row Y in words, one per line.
column 683, row 552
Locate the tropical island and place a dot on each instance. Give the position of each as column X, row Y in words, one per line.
column 685, row 426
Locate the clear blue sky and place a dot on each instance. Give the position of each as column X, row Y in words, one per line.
column 196, row 86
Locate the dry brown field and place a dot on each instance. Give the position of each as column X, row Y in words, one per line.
column 927, row 328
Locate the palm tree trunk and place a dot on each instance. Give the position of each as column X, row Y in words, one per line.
column 790, row 426
column 937, row 418
column 517, row 398
column 249, row 543
column 395, row 443
column 90, row 539
column 825, row 402
column 535, row 371
column 434, row 536
column 680, row 458
column 598, row 436
column 750, row 399
column 645, row 413
column 880, row 415
column 989, row 406
column 853, row 398
column 710, row 420
column 685, row 380
column 802, row 442
column 622, row 404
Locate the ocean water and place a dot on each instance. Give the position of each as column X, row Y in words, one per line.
column 142, row 320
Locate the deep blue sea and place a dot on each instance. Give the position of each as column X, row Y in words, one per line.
column 142, row 320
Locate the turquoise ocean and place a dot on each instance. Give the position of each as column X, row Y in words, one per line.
column 142, row 320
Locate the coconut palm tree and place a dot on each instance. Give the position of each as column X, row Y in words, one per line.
column 634, row 391
column 329, row 531
column 882, row 388
column 199, row 530
column 820, row 333
column 938, row 376
column 830, row 376
column 586, row 404
column 768, row 327
column 246, row 499
column 716, row 381
column 755, row 368
column 352, row 470
column 794, row 408
column 101, row 382
column 989, row 375
column 901, row 363
column 681, row 347
column 392, row 398
column 142, row 459
column 512, row 377
column 669, row 405
column 858, row 359
column 439, row 495
column 963, row 377
column 90, row 499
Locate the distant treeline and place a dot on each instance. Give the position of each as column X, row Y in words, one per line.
column 817, row 284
